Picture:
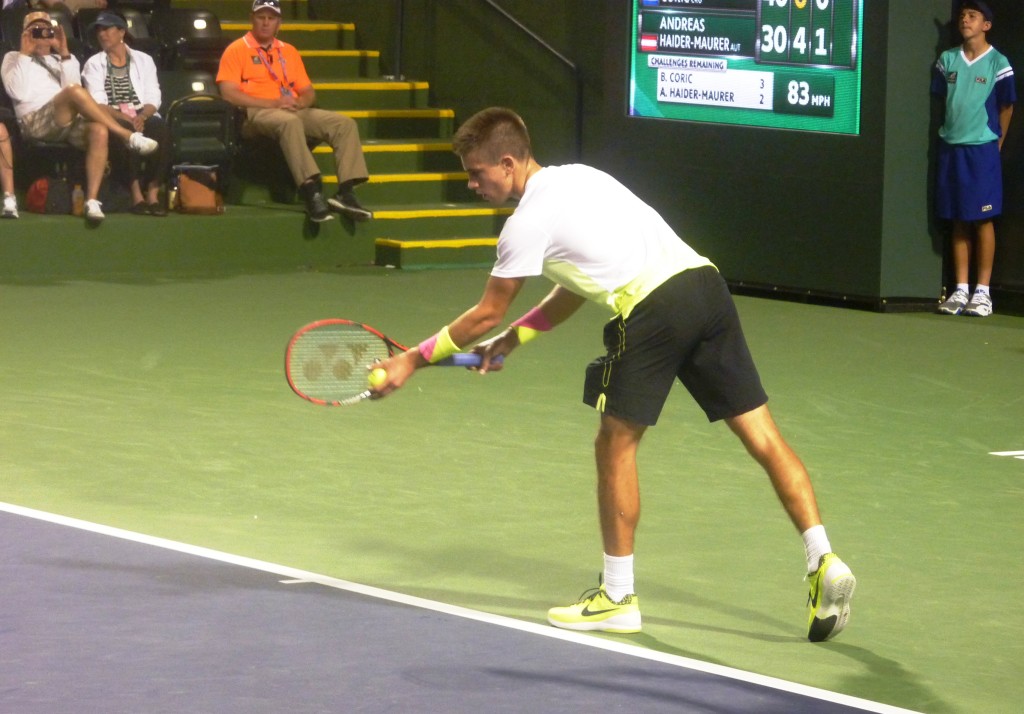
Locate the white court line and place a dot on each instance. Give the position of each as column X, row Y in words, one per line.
column 295, row 575
column 1014, row 454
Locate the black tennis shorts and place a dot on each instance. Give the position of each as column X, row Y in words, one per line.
column 688, row 329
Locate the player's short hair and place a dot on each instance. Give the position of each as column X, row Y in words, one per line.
column 493, row 132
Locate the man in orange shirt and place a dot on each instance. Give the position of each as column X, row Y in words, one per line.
column 267, row 78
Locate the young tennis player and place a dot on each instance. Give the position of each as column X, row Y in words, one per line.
column 673, row 319
column 976, row 82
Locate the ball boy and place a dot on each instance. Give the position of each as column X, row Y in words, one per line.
column 977, row 84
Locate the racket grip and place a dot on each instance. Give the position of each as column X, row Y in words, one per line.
column 466, row 359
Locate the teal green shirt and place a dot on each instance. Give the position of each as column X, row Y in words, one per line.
column 975, row 92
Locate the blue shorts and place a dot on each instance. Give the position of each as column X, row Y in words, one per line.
column 969, row 182
column 687, row 329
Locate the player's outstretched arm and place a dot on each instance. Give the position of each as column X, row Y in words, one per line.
column 559, row 305
column 488, row 313
column 473, row 324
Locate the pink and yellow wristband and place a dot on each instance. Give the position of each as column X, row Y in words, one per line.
column 531, row 325
column 439, row 347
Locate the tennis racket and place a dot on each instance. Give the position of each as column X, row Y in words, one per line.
column 326, row 360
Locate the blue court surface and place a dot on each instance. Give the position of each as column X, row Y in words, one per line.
column 97, row 619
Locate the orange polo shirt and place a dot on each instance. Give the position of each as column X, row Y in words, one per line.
column 241, row 63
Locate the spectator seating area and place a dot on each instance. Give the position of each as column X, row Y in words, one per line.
column 176, row 37
column 425, row 216
column 186, row 44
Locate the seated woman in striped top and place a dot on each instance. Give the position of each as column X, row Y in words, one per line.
column 124, row 80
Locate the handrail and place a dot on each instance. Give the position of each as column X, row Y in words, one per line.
column 399, row 37
column 572, row 66
column 569, row 64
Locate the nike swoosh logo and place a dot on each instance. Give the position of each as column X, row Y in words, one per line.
column 814, row 599
column 587, row 612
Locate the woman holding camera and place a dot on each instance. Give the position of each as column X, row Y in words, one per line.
column 124, row 82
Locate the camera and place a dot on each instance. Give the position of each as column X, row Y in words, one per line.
column 43, row 33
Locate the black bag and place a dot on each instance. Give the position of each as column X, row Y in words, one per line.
column 115, row 196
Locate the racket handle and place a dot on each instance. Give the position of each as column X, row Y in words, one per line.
column 465, row 359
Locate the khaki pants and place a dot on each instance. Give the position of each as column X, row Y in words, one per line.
column 292, row 130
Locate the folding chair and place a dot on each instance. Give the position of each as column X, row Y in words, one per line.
column 178, row 83
column 204, row 130
column 191, row 39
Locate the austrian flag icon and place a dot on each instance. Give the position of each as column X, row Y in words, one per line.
column 648, row 43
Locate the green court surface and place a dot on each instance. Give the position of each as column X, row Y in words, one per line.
column 161, row 407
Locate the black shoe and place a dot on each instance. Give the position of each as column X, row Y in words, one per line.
column 346, row 203
column 316, row 208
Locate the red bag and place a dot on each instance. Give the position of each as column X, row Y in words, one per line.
column 49, row 195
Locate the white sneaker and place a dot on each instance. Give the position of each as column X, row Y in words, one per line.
column 979, row 306
column 956, row 302
column 142, row 145
column 10, row 206
column 93, row 211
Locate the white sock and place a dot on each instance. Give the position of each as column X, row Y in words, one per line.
column 618, row 576
column 983, row 289
column 965, row 287
column 815, row 545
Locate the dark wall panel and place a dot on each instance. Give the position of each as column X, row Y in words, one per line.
column 803, row 212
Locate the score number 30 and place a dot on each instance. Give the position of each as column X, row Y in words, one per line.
column 775, row 38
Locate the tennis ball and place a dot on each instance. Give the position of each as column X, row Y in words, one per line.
column 377, row 377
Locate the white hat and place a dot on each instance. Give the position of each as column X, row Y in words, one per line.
column 39, row 16
column 274, row 5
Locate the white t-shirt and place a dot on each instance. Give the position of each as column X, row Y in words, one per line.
column 31, row 85
column 585, row 231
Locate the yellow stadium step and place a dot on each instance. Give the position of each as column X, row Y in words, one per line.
column 441, row 253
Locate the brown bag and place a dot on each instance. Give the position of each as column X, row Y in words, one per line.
column 198, row 190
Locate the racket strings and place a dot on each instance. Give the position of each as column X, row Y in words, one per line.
column 329, row 363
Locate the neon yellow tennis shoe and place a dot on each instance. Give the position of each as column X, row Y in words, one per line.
column 828, row 602
column 595, row 611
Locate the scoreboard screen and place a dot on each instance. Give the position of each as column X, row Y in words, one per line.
column 784, row 64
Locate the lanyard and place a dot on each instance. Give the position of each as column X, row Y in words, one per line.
column 56, row 74
column 268, row 60
column 127, row 66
